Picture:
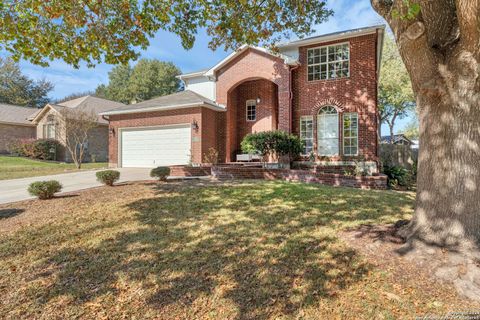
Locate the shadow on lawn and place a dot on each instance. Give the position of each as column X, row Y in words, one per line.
column 268, row 249
column 8, row 213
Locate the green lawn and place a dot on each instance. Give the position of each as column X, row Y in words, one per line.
column 250, row 250
column 17, row 167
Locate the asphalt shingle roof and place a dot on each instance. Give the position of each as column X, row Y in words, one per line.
column 88, row 104
column 178, row 99
column 16, row 114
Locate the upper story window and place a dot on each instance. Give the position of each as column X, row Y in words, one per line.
column 328, row 62
column 251, row 110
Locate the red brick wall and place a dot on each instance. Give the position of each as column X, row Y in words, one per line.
column 206, row 119
column 354, row 94
column 252, row 65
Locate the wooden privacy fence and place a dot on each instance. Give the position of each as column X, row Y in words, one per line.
column 398, row 155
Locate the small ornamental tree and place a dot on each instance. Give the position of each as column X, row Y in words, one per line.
column 73, row 131
column 272, row 144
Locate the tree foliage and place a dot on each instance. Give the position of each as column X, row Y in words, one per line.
column 146, row 80
column 411, row 129
column 113, row 31
column 18, row 89
column 395, row 95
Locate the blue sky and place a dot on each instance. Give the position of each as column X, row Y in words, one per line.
column 165, row 46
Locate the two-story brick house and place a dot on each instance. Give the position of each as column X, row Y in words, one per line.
column 322, row 88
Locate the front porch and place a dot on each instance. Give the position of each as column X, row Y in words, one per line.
column 252, row 107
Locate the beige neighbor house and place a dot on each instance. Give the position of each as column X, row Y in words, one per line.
column 48, row 122
column 14, row 125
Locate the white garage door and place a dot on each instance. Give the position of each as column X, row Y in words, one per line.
column 149, row 148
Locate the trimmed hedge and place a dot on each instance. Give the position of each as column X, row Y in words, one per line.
column 44, row 189
column 108, row 177
column 161, row 173
column 275, row 143
column 36, row 149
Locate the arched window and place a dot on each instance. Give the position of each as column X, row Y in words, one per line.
column 327, row 131
column 49, row 129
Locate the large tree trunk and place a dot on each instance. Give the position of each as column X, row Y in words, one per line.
column 447, row 211
column 440, row 47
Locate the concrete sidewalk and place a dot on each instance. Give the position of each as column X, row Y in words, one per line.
column 16, row 189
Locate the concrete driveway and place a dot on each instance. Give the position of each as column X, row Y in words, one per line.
column 16, row 189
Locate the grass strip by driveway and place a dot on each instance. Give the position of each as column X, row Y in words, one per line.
column 18, row 167
column 198, row 250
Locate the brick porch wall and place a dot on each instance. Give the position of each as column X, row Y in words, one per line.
column 202, row 139
column 234, row 172
column 354, row 94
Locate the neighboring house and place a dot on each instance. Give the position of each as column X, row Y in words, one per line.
column 14, row 125
column 322, row 88
column 398, row 139
column 48, row 125
column 415, row 144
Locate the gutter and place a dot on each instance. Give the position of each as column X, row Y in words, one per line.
column 290, row 98
column 164, row 108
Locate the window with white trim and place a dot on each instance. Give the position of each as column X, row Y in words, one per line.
column 327, row 131
column 251, row 110
column 350, row 134
column 49, row 128
column 306, row 134
column 328, row 62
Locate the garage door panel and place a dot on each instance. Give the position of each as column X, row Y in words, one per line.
column 156, row 147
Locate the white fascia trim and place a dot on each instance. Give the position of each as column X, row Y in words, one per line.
column 163, row 108
column 288, row 60
column 381, row 38
column 191, row 75
column 40, row 114
column 336, row 36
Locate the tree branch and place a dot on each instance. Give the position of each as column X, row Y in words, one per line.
column 383, row 7
column 440, row 20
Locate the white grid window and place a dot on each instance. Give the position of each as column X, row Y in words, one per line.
column 329, row 62
column 350, row 134
column 306, row 134
column 251, row 110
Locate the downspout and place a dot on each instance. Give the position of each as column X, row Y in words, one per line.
column 290, row 98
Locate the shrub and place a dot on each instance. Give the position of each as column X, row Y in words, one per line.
column 45, row 149
column 108, row 177
column 272, row 143
column 397, row 176
column 161, row 173
column 44, row 189
column 37, row 149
